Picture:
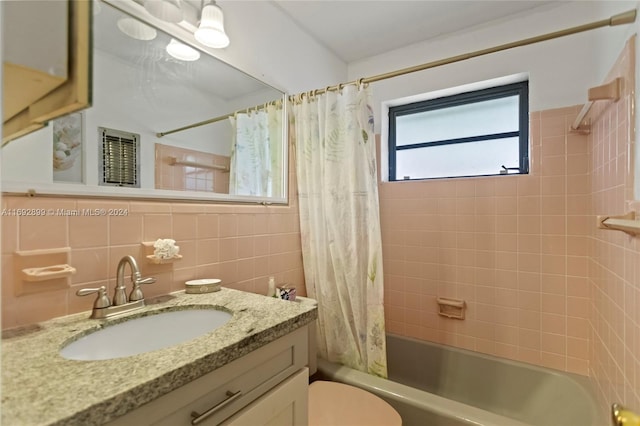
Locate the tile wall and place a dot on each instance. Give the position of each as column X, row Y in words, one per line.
column 542, row 284
column 515, row 248
column 614, row 266
column 242, row 245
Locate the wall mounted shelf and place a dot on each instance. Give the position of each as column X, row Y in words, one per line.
column 609, row 91
column 626, row 223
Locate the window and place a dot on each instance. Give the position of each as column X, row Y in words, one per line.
column 480, row 133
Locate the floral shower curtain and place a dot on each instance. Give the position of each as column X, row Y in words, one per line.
column 340, row 225
column 256, row 153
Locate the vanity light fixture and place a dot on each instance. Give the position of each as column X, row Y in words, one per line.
column 181, row 51
column 136, row 29
column 211, row 32
column 167, row 10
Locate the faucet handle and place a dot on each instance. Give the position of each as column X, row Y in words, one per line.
column 136, row 293
column 102, row 301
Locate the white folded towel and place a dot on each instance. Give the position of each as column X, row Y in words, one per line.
column 165, row 248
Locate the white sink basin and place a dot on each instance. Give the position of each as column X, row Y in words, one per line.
column 145, row 334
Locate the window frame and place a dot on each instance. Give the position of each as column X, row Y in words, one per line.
column 520, row 89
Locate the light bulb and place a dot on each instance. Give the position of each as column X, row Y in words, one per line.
column 136, row 29
column 210, row 32
column 182, row 51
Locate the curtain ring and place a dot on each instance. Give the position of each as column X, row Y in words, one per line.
column 361, row 83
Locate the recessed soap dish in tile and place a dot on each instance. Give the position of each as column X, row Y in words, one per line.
column 451, row 308
column 42, row 270
column 47, row 273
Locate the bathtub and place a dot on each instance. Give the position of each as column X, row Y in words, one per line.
column 437, row 385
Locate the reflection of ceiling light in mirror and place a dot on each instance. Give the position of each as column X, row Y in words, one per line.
column 182, row 51
column 167, row 10
column 136, row 29
column 210, row 32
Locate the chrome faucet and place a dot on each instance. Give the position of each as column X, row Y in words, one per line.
column 103, row 307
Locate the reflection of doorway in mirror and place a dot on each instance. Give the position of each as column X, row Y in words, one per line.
column 67, row 141
column 183, row 169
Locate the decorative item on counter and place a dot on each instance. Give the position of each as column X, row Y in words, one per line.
column 287, row 292
column 271, row 291
column 206, row 285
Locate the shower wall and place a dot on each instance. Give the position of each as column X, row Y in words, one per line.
column 542, row 283
column 614, row 257
column 515, row 248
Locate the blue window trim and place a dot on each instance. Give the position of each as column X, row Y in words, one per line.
column 521, row 89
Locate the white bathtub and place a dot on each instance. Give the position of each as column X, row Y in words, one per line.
column 436, row 385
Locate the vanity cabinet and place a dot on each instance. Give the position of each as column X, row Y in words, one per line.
column 268, row 386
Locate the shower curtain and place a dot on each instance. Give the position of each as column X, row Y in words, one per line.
column 340, row 225
column 256, row 153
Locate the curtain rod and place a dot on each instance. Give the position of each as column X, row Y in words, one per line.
column 619, row 19
column 220, row 118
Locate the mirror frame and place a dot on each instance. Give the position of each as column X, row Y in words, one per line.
column 184, row 33
column 71, row 96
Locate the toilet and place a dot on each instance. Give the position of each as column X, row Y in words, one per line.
column 338, row 404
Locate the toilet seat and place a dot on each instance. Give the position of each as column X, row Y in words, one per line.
column 337, row 404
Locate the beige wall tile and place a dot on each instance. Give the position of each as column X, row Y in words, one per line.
column 125, row 230
column 88, row 231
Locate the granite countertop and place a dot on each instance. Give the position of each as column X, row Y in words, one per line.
column 39, row 387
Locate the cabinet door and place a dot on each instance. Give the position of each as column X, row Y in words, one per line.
column 284, row 405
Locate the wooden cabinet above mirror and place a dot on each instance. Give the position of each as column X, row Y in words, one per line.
column 46, row 63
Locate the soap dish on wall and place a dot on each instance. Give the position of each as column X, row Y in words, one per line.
column 161, row 261
column 47, row 273
column 42, row 270
column 147, row 251
column 451, row 308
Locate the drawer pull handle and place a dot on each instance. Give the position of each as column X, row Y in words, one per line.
column 199, row 418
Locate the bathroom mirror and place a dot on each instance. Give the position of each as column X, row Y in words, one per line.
column 147, row 82
column 45, row 62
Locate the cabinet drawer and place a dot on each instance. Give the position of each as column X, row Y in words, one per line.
column 246, row 379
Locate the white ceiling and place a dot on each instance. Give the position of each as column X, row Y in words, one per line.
column 355, row 30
